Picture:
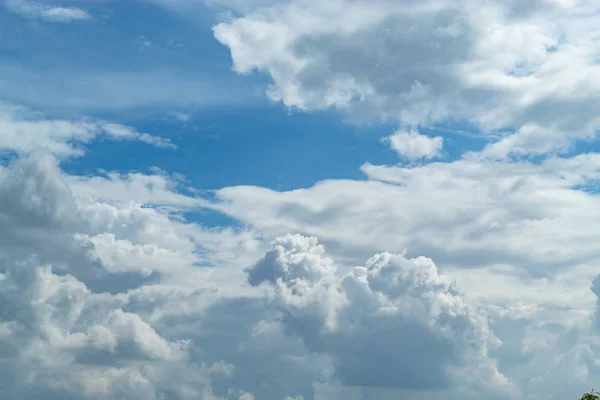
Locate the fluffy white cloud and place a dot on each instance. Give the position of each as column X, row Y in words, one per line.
column 109, row 291
column 50, row 13
column 470, row 212
column 528, row 68
column 413, row 146
column 518, row 237
column 77, row 273
column 105, row 296
column 393, row 323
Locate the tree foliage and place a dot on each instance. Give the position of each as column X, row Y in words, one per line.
column 591, row 395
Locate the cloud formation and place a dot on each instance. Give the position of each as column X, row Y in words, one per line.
column 49, row 13
column 525, row 70
column 413, row 146
column 518, row 238
column 108, row 301
column 462, row 278
column 68, row 330
column 394, row 322
column 24, row 130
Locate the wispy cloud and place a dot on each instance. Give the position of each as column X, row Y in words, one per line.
column 89, row 90
column 183, row 117
column 35, row 10
column 123, row 132
column 24, row 131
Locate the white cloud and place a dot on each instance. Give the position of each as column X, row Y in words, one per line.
column 140, row 339
column 157, row 190
column 25, row 131
column 500, row 65
column 412, row 146
column 74, row 284
column 108, row 291
column 117, row 131
column 102, row 293
column 182, row 117
column 36, row 10
column 414, row 328
column 518, row 237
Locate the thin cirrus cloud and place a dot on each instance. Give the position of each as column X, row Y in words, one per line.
column 45, row 12
column 86, row 90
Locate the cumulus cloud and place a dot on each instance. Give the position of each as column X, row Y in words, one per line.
column 102, row 296
column 67, row 330
column 413, row 146
column 76, row 334
column 525, row 70
column 46, row 12
column 442, row 279
column 518, row 238
column 107, row 291
column 474, row 218
column 394, row 322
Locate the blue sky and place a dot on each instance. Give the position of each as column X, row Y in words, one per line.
column 115, row 61
column 231, row 134
column 299, row 200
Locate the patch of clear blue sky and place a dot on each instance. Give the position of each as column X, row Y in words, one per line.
column 132, row 56
column 265, row 146
column 104, row 68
